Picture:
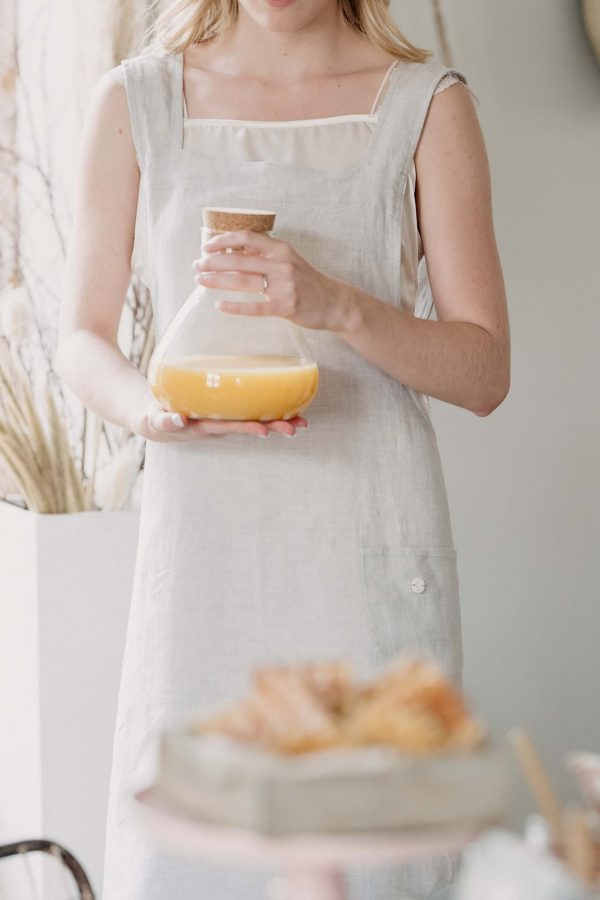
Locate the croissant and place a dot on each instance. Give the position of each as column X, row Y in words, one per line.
column 313, row 706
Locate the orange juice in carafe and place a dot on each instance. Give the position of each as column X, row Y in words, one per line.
column 257, row 387
column 216, row 365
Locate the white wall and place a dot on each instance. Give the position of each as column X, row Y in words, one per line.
column 65, row 585
column 524, row 483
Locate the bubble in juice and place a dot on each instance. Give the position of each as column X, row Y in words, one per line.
column 257, row 388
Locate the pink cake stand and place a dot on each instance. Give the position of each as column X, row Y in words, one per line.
column 312, row 864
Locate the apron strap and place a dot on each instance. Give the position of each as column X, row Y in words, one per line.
column 403, row 110
column 154, row 87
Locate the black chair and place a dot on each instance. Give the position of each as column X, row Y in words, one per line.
column 61, row 854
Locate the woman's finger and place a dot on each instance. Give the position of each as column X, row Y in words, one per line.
column 282, row 427
column 236, row 262
column 254, row 241
column 184, row 428
column 287, row 427
column 161, row 420
column 261, row 308
column 231, row 281
column 228, row 426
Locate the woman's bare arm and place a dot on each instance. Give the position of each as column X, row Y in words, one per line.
column 98, row 271
column 464, row 357
column 98, row 262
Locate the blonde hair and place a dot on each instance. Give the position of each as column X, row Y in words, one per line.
column 189, row 21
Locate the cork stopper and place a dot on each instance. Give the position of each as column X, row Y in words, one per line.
column 223, row 219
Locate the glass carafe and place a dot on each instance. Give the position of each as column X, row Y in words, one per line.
column 217, row 365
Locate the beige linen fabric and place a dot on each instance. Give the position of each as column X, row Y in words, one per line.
column 337, row 544
column 326, row 143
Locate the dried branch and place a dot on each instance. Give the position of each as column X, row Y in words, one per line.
column 47, row 444
column 36, row 452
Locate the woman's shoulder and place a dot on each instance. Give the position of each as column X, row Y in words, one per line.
column 106, row 133
column 438, row 76
column 146, row 78
column 142, row 69
column 108, row 99
column 433, row 68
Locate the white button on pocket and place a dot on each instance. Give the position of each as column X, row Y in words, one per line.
column 412, row 613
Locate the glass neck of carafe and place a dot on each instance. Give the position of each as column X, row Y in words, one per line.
column 208, row 233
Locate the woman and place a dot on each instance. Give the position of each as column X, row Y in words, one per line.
column 337, row 544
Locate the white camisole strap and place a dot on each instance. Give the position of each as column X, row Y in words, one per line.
column 382, row 86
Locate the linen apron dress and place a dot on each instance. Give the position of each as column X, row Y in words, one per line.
column 337, row 544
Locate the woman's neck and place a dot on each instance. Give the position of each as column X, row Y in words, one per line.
column 325, row 46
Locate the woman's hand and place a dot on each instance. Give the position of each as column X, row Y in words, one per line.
column 166, row 427
column 294, row 289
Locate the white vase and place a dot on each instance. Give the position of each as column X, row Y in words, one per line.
column 65, row 584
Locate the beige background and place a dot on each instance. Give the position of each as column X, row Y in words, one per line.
column 524, row 483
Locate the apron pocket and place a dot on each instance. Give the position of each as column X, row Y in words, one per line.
column 413, row 605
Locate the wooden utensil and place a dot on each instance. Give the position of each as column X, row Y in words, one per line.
column 579, row 845
column 538, row 782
